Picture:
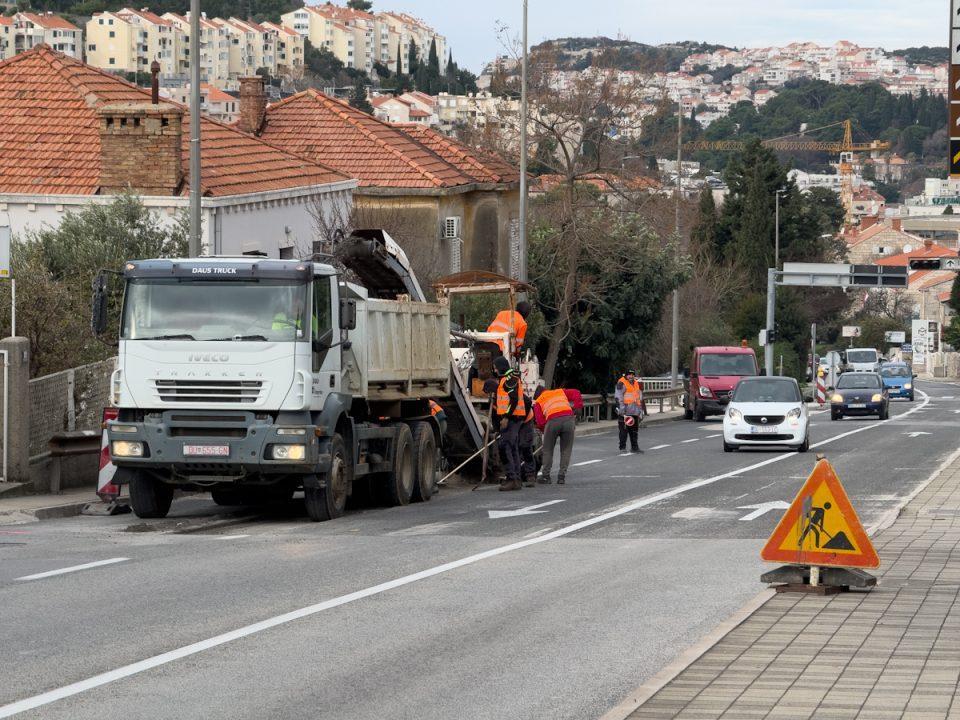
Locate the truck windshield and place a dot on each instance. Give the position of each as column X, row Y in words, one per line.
column 861, row 356
column 188, row 309
column 727, row 364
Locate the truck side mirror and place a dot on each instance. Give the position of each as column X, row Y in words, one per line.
column 99, row 305
column 348, row 314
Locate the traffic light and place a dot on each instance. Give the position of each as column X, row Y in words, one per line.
column 939, row 263
column 878, row 276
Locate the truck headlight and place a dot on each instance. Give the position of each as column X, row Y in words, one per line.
column 288, row 452
column 794, row 414
column 705, row 391
column 126, row 448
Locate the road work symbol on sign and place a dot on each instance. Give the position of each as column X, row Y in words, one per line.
column 821, row 527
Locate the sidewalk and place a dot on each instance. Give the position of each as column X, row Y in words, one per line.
column 890, row 653
column 26, row 508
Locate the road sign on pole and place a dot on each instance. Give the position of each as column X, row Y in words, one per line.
column 851, row 331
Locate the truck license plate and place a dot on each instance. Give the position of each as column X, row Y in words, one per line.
column 207, row 450
column 763, row 430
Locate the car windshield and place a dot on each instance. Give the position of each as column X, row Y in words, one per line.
column 861, row 356
column 187, row 309
column 727, row 364
column 858, row 381
column 771, row 390
column 895, row 371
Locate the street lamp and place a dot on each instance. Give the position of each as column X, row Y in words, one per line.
column 776, row 230
column 523, row 153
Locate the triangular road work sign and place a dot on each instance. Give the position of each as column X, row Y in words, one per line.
column 821, row 527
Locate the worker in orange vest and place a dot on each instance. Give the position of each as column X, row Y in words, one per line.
column 511, row 321
column 555, row 413
column 511, row 415
column 629, row 397
column 440, row 414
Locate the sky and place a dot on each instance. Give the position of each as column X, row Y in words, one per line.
column 470, row 26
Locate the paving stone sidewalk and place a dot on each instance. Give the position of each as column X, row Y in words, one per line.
column 890, row 653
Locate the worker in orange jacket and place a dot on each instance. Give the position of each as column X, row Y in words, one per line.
column 511, row 413
column 629, row 397
column 514, row 321
column 555, row 414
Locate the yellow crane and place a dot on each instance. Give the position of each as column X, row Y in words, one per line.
column 788, row 143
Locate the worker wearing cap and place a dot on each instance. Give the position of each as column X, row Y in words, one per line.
column 629, row 397
column 511, row 414
column 511, row 321
column 555, row 416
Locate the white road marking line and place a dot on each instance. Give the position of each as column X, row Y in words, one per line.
column 711, row 437
column 231, row 537
column 586, row 462
column 125, row 671
column 659, row 447
column 702, row 513
column 625, row 454
column 684, row 442
column 73, row 568
column 762, row 508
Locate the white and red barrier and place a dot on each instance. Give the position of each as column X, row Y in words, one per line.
column 821, row 390
column 106, row 489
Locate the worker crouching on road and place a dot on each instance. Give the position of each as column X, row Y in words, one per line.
column 511, row 415
column 629, row 397
column 555, row 413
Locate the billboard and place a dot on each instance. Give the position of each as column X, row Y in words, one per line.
column 918, row 338
column 895, row 337
column 851, row 331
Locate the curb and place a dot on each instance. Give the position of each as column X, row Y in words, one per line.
column 48, row 513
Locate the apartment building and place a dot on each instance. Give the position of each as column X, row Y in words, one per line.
column 289, row 49
column 214, row 102
column 261, row 44
column 6, row 37
column 32, row 29
column 214, row 49
column 130, row 40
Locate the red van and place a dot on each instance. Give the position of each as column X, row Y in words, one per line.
column 714, row 373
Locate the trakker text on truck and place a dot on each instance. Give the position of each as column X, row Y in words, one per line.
column 252, row 378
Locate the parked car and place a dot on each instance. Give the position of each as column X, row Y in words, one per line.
column 898, row 379
column 766, row 411
column 862, row 360
column 713, row 373
column 860, row 393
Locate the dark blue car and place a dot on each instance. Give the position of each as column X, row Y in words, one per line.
column 860, row 393
column 898, row 379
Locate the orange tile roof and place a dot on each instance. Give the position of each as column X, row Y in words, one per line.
column 6, row 20
column 314, row 125
column 146, row 15
column 50, row 141
column 215, row 94
column 926, row 251
column 51, row 22
column 486, row 168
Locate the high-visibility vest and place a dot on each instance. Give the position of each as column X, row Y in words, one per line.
column 503, row 400
column 632, row 392
column 509, row 321
column 554, row 403
column 435, row 408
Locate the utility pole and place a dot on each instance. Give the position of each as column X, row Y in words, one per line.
column 195, row 221
column 776, row 231
column 523, row 152
column 771, row 319
column 675, row 320
column 813, row 355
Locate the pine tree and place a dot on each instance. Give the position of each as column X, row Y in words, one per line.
column 358, row 98
column 433, row 60
column 364, row 5
column 399, row 61
column 704, row 233
column 955, row 295
column 413, row 58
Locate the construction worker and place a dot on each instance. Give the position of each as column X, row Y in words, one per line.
column 511, row 414
column 511, row 321
column 440, row 414
column 555, row 412
column 629, row 397
column 528, row 463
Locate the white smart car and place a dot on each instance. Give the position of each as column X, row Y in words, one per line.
column 766, row 411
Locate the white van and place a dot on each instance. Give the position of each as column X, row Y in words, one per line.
column 862, row 360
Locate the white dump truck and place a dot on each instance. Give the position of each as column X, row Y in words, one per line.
column 252, row 378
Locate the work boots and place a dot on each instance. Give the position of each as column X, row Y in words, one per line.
column 561, row 480
column 544, row 479
column 509, row 485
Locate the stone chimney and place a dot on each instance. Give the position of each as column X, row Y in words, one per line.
column 897, row 224
column 140, row 148
column 868, row 221
column 928, row 243
column 253, row 104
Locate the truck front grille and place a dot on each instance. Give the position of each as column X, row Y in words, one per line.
column 208, row 391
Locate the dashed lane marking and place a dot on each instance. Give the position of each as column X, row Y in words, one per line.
column 684, row 442
column 73, row 568
column 587, row 462
column 659, row 447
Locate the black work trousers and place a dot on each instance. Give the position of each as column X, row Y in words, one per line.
column 509, row 444
column 629, row 431
column 528, row 464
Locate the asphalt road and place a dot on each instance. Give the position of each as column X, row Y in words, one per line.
column 430, row 611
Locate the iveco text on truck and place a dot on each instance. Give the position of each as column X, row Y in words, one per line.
column 252, row 378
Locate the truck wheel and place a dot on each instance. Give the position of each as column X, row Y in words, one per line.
column 698, row 414
column 424, row 462
column 149, row 497
column 401, row 479
column 327, row 503
column 687, row 412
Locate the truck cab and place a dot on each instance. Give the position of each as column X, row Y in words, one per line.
column 714, row 373
column 862, row 360
column 252, row 378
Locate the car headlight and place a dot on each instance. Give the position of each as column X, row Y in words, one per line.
column 734, row 415
column 877, row 397
column 907, row 386
column 794, row 414
column 126, row 448
column 288, row 452
column 705, row 391
column 837, row 398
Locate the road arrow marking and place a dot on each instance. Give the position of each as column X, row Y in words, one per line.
column 762, row 509
column 916, row 434
column 529, row 510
